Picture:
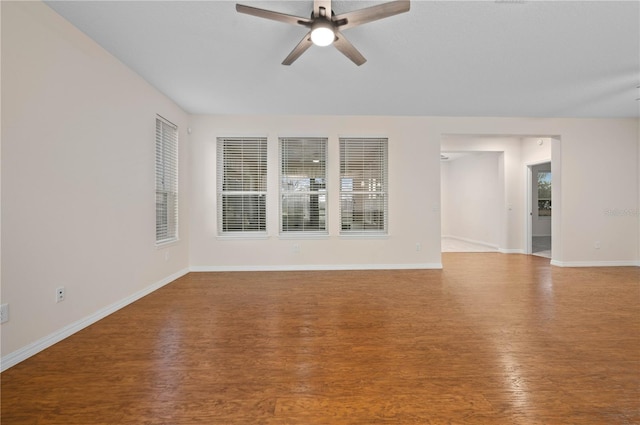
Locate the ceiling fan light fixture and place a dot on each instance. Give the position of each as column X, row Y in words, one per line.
column 322, row 33
column 325, row 27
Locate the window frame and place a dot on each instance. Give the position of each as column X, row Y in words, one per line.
column 166, row 170
column 318, row 146
column 257, row 151
column 376, row 184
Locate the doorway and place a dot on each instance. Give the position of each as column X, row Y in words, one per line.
column 471, row 201
column 539, row 209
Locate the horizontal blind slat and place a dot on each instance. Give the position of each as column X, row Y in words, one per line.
column 166, row 180
column 303, row 176
column 363, row 185
column 242, row 184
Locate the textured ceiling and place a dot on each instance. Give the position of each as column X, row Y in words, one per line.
column 449, row 58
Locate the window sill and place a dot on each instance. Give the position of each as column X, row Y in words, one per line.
column 303, row 235
column 243, row 236
column 167, row 243
column 364, row 235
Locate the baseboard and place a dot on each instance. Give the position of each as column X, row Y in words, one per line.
column 510, row 251
column 488, row 245
column 316, row 267
column 29, row 350
column 473, row 241
column 629, row 263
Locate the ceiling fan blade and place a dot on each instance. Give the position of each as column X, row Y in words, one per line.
column 322, row 4
column 302, row 47
column 275, row 16
column 347, row 49
column 370, row 14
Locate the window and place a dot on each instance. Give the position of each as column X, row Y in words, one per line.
column 303, row 185
column 166, row 181
column 363, row 186
column 544, row 193
column 242, row 185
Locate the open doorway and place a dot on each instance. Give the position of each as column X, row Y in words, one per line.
column 495, row 205
column 540, row 209
column 471, row 199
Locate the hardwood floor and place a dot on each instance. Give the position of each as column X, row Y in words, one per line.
column 491, row 339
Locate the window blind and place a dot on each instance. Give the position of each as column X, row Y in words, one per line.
column 363, row 185
column 303, row 185
column 166, row 181
column 242, row 185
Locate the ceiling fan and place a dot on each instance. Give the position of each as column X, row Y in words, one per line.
column 325, row 26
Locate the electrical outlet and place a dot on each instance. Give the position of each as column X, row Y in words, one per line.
column 597, row 245
column 295, row 248
column 418, row 246
column 4, row 313
column 60, row 294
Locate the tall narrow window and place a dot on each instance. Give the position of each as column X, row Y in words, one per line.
column 242, row 185
column 166, row 181
column 363, row 186
column 303, row 185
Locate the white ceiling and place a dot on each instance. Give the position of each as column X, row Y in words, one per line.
column 443, row 58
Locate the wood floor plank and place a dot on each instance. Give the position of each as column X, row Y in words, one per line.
column 490, row 339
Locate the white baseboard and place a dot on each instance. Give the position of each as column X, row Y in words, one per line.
column 35, row 347
column 316, row 267
column 629, row 263
column 510, row 251
column 488, row 245
column 473, row 241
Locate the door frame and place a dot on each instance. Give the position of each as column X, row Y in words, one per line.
column 528, row 247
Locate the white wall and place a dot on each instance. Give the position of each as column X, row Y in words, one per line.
column 590, row 199
column 472, row 197
column 578, row 147
column 414, row 197
column 535, row 150
column 78, row 207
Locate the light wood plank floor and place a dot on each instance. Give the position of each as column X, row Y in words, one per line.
column 491, row 339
